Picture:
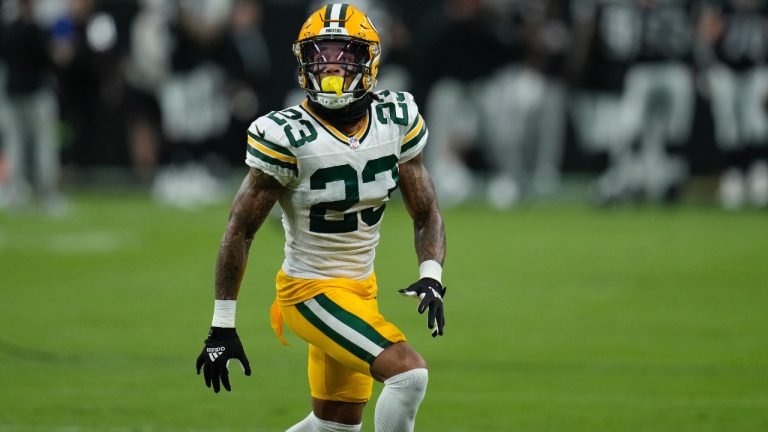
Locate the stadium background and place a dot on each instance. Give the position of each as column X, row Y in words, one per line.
column 564, row 313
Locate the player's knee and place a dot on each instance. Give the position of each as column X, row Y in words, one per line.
column 406, row 358
column 413, row 381
column 400, row 399
column 396, row 359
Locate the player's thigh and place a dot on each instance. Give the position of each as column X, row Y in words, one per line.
column 331, row 380
column 345, row 331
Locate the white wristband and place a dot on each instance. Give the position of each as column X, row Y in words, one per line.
column 224, row 313
column 431, row 269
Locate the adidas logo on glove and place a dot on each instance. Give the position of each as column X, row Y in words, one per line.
column 214, row 353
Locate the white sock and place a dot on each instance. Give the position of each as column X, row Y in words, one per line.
column 314, row 424
column 399, row 401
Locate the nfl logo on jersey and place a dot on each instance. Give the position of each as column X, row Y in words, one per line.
column 354, row 143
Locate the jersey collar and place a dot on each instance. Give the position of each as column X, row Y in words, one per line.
column 343, row 138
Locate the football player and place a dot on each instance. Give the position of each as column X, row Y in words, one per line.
column 332, row 163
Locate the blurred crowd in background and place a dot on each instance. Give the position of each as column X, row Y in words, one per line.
column 641, row 96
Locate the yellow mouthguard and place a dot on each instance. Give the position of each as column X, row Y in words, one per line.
column 332, row 83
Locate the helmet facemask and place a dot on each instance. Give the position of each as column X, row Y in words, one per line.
column 347, row 58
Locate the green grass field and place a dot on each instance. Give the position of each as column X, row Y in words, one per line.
column 561, row 318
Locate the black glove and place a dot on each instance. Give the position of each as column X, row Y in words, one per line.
column 221, row 346
column 431, row 293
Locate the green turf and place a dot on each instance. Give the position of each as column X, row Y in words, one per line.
column 560, row 318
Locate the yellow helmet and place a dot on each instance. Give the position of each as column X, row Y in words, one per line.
column 338, row 50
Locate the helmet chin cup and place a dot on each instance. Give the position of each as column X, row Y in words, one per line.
column 333, row 101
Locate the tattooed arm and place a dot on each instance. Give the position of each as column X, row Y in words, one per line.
column 254, row 200
column 429, row 237
column 421, row 202
column 256, row 197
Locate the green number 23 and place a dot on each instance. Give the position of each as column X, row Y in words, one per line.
column 371, row 216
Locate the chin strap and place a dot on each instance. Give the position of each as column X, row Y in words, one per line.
column 352, row 113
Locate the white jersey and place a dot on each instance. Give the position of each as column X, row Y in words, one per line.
column 336, row 186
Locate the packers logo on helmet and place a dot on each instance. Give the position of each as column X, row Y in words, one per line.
column 338, row 50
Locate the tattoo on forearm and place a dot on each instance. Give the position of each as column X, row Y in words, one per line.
column 430, row 241
column 421, row 201
column 252, row 204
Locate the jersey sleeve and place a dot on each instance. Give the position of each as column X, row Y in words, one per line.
column 267, row 153
column 416, row 133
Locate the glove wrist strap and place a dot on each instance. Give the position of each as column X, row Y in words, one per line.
column 224, row 313
column 431, row 269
